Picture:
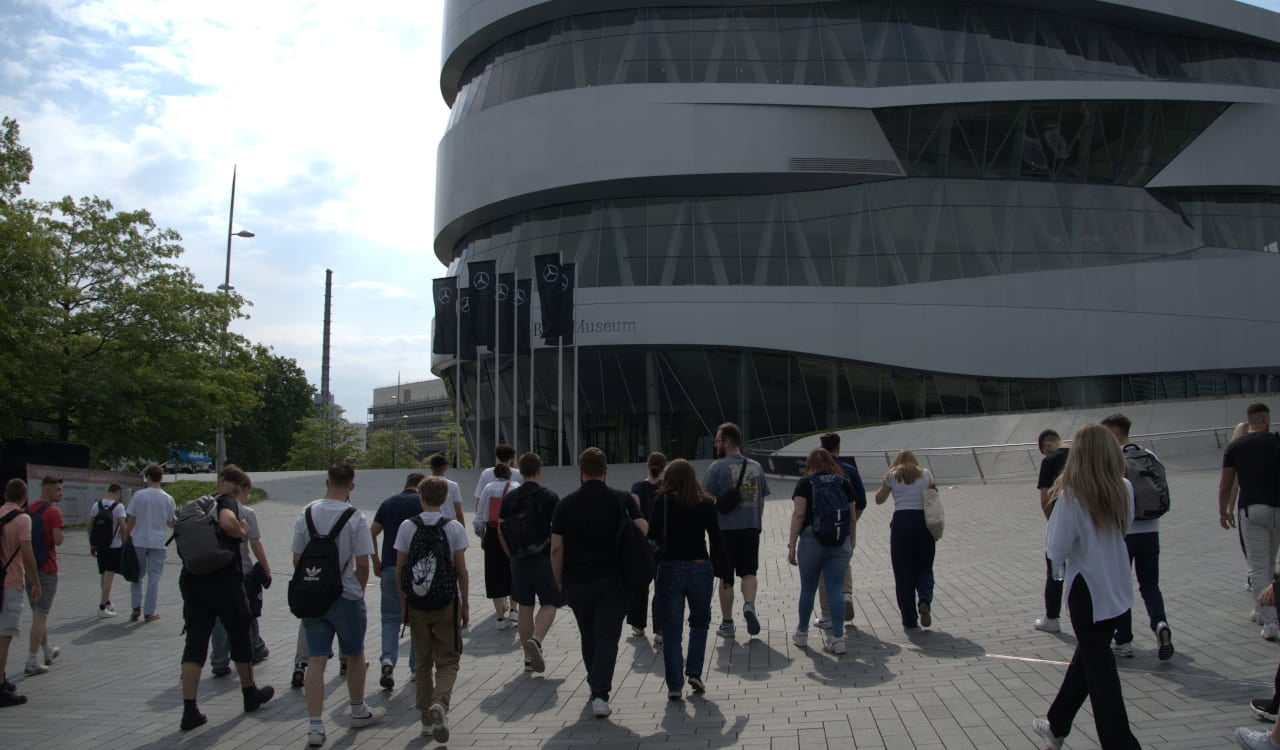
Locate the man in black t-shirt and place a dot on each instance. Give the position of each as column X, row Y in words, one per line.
column 219, row 596
column 1252, row 460
column 394, row 511
column 584, row 558
column 531, row 575
column 1055, row 458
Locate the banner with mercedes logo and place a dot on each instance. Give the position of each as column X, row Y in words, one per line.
column 524, row 306
column 466, row 324
column 508, row 301
column 555, row 290
column 444, row 340
column 484, row 286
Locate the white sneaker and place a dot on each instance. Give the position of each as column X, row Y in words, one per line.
column 637, row 632
column 315, row 739
column 1041, row 727
column 600, row 708
column 837, row 647
column 50, row 654
column 1270, row 631
column 35, row 668
column 373, row 717
column 104, row 613
column 438, row 715
column 1253, row 615
column 800, row 639
column 1122, row 650
column 1048, row 625
column 428, row 729
column 1255, row 739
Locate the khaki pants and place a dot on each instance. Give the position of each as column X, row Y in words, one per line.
column 823, row 605
column 436, row 643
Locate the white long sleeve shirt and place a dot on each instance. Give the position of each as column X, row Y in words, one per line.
column 1099, row 556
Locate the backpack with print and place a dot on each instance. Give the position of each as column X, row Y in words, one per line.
column 102, row 529
column 525, row 529
column 199, row 543
column 1150, row 484
column 39, row 544
column 832, row 517
column 317, row 578
column 430, row 578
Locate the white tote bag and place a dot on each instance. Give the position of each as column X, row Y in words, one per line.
column 933, row 515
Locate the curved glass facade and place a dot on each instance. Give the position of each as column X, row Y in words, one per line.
column 865, row 44
column 685, row 393
column 1243, row 221
column 880, row 234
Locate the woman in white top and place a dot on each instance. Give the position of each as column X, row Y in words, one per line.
column 911, row 546
column 497, row 566
column 1092, row 512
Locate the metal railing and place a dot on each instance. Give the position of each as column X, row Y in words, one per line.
column 982, row 463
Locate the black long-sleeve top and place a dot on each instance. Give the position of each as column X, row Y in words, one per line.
column 685, row 536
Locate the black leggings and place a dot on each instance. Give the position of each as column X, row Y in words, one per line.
column 207, row 599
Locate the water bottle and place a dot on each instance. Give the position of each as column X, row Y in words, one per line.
column 1060, row 571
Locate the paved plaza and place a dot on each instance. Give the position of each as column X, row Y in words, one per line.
column 976, row 680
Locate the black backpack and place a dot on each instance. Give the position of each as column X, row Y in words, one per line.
column 317, row 578
column 1150, row 484
column 832, row 519
column 635, row 556
column 524, row 528
column 102, row 529
column 430, row 579
column 729, row 499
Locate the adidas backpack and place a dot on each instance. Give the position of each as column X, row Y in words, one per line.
column 102, row 529
column 317, row 578
column 832, row 518
column 430, row 578
column 1150, row 484
column 199, row 543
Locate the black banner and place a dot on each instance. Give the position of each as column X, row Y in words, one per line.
column 484, row 285
column 506, row 299
column 524, row 305
column 567, row 289
column 445, row 338
column 547, row 270
column 467, row 323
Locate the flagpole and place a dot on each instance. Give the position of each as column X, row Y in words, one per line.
column 457, row 376
column 515, row 361
column 477, row 401
column 577, row 400
column 497, row 376
column 532, row 444
column 560, row 400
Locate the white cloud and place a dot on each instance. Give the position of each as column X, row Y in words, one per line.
column 332, row 113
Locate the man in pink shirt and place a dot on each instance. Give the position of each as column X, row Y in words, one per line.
column 46, row 509
column 16, row 560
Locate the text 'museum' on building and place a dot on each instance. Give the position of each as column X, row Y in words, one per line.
column 802, row 215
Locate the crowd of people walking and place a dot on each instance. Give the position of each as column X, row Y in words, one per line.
column 1102, row 497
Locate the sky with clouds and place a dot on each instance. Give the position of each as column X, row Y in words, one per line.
column 332, row 112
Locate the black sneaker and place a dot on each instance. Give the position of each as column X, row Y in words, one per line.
column 697, row 684
column 10, row 698
column 299, row 674
column 1264, row 708
column 262, row 655
column 753, row 622
column 387, row 682
column 221, row 671
column 1165, row 637
column 8, row 687
column 191, row 721
column 253, row 701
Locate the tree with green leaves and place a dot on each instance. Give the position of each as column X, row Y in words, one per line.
column 449, row 434
column 391, row 449
column 261, row 441
column 123, row 350
column 320, row 443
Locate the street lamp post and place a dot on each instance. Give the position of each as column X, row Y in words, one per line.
column 220, row 459
column 395, row 438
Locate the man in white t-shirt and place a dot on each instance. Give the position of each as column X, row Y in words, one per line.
column 452, row 507
column 347, row 617
column 436, row 632
column 504, row 454
column 109, row 557
column 149, row 518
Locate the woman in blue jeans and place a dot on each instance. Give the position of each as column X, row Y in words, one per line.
column 911, row 546
column 816, row 557
column 684, row 520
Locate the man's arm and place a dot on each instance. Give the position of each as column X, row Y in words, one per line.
column 230, row 525
column 1046, row 503
column 260, row 554
column 375, row 530
column 402, row 560
column 557, row 558
column 29, row 563
column 362, row 570
column 1226, row 482
column 464, row 586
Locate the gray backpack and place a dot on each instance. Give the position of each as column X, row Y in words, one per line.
column 195, row 529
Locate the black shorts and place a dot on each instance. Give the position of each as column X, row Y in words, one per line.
column 532, row 577
column 109, row 560
column 207, row 599
column 743, row 546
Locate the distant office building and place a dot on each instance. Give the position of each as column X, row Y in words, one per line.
column 416, row 408
column 803, row 215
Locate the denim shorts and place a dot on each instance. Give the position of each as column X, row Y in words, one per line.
column 48, row 588
column 346, row 619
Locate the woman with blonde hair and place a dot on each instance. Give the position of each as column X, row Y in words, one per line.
column 823, row 519
column 683, row 523
column 911, row 546
column 1092, row 512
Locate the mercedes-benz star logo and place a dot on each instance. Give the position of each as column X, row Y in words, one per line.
column 550, row 273
column 445, row 296
column 564, row 283
column 503, row 292
column 466, row 304
column 520, row 297
column 480, row 281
